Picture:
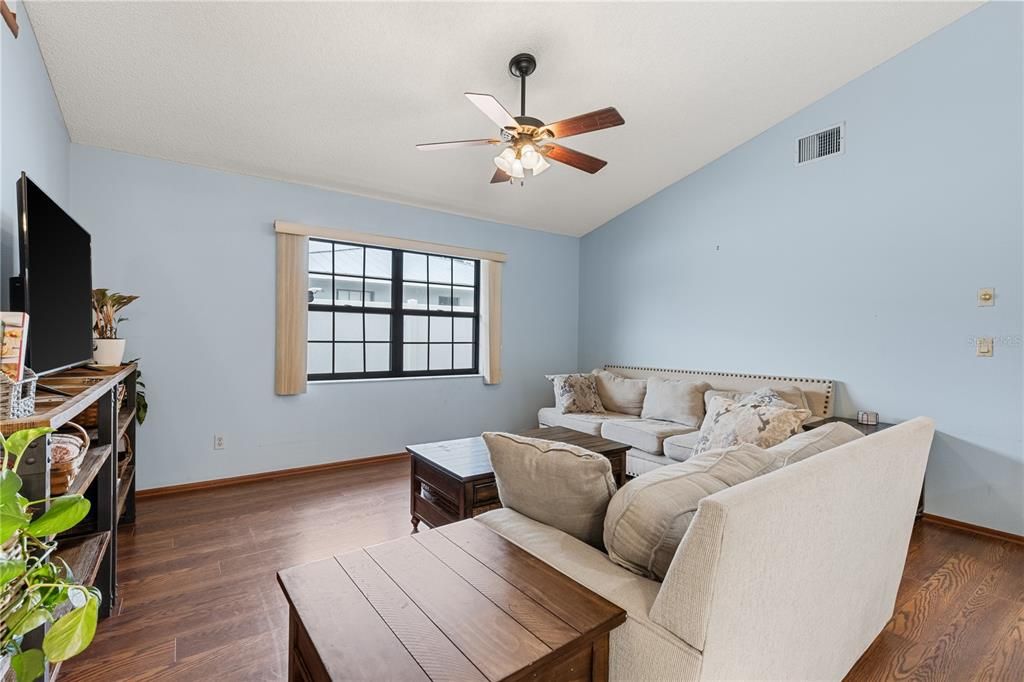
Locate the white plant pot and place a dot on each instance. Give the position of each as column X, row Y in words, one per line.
column 108, row 352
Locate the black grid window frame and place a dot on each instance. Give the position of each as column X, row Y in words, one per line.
column 396, row 314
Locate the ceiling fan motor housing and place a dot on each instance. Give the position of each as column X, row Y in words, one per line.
column 529, row 121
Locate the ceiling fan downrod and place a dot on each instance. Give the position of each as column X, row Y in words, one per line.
column 521, row 66
column 522, row 96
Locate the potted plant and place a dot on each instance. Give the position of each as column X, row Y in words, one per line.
column 33, row 584
column 109, row 349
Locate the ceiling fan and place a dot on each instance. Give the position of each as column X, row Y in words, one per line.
column 527, row 139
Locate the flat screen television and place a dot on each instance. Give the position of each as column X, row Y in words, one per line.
column 55, row 284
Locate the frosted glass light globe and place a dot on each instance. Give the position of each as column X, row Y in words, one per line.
column 504, row 160
column 529, row 156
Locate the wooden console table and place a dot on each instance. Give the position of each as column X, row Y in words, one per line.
column 453, row 480
column 456, row 603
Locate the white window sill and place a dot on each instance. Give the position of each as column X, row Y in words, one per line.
column 382, row 379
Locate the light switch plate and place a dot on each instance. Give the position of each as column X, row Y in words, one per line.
column 986, row 297
column 984, row 346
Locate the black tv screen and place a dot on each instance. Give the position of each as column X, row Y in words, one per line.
column 55, row 286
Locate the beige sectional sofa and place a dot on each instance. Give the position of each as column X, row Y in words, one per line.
column 655, row 443
column 788, row 576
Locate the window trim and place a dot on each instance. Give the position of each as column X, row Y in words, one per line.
column 397, row 314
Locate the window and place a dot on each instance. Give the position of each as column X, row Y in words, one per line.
column 376, row 312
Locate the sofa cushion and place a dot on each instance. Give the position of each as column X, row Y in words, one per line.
column 575, row 393
column 561, row 485
column 680, row 448
column 620, row 394
column 803, row 445
column 639, row 462
column 584, row 423
column 761, row 418
column 647, row 517
column 675, row 400
column 579, row 561
column 660, row 460
column 640, row 648
column 645, row 434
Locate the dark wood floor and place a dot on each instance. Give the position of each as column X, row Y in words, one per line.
column 199, row 600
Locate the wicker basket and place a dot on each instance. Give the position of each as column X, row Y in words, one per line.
column 17, row 398
column 67, row 452
column 124, row 456
column 90, row 416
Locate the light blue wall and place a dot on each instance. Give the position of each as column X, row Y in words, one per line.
column 863, row 268
column 198, row 246
column 32, row 134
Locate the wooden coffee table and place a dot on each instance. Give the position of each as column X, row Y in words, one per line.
column 452, row 480
column 456, row 603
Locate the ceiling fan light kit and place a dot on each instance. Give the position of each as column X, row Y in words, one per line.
column 527, row 139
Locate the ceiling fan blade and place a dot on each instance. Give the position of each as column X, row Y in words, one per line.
column 585, row 123
column 500, row 176
column 571, row 157
column 493, row 110
column 432, row 146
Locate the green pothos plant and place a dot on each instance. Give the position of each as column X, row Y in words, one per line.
column 34, row 583
column 141, row 404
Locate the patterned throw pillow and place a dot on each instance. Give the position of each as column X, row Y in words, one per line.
column 576, row 393
column 761, row 418
column 791, row 394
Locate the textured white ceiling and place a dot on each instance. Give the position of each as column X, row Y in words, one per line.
column 337, row 94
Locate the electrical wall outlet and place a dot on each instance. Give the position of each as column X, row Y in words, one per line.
column 218, row 442
column 984, row 346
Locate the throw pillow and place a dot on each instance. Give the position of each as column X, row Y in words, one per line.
column 647, row 517
column 675, row 400
column 576, row 393
column 557, row 484
column 619, row 394
column 790, row 394
column 803, row 445
column 762, row 418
